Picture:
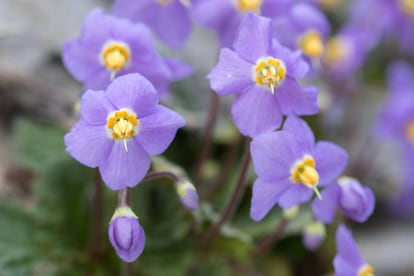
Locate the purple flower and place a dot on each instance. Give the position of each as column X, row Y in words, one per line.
column 169, row 19
column 401, row 23
column 304, row 27
column 120, row 128
column 314, row 234
column 348, row 260
column 356, row 201
column 390, row 18
column 126, row 234
column 224, row 16
column 396, row 118
column 345, row 53
column 262, row 74
column 290, row 166
column 187, row 194
column 110, row 46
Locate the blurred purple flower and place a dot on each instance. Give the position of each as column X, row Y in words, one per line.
column 262, row 74
column 345, row 53
column 111, row 46
column 314, row 234
column 396, row 117
column 389, row 18
column 356, row 201
column 170, row 19
column 187, row 194
column 396, row 122
column 126, row 234
column 224, row 16
column 348, row 260
column 303, row 26
column 290, row 166
column 120, row 128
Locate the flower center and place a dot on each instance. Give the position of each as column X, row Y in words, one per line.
column 270, row 72
column 409, row 131
column 248, row 5
column 366, row 270
column 115, row 55
column 337, row 50
column 122, row 125
column 304, row 172
column 407, row 6
column 311, row 44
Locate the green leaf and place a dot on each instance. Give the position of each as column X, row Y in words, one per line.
column 36, row 144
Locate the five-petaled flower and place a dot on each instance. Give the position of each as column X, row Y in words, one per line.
column 290, row 166
column 262, row 74
column 109, row 47
column 120, row 128
column 348, row 260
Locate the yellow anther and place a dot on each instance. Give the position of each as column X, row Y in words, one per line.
column 409, row 131
column 407, row 6
column 249, row 5
column 366, row 270
column 337, row 50
column 115, row 55
column 308, row 176
column 304, row 172
column 330, row 4
column 311, row 44
column 269, row 72
column 122, row 125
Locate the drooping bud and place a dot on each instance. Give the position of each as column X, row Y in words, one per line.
column 291, row 212
column 187, row 194
column 356, row 201
column 314, row 234
column 126, row 234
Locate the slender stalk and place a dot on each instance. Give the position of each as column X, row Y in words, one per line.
column 126, row 269
column 97, row 217
column 162, row 174
column 208, row 137
column 234, row 200
column 123, row 198
column 267, row 243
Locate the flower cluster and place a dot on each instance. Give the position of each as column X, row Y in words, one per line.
column 270, row 51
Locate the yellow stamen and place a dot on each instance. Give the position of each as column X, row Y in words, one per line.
column 407, row 6
column 122, row 125
column 249, row 5
column 409, row 131
column 330, row 4
column 366, row 270
column 115, row 56
column 304, row 172
column 270, row 72
column 337, row 50
column 311, row 44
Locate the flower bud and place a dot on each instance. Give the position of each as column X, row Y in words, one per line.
column 356, row 201
column 314, row 234
column 126, row 234
column 187, row 194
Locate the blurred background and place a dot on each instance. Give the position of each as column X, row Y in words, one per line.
column 47, row 211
